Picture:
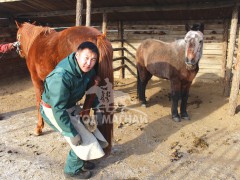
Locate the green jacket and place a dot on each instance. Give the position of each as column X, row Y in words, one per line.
column 63, row 87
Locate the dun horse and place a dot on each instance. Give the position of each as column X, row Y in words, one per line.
column 177, row 61
column 43, row 48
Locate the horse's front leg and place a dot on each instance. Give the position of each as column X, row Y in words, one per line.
column 176, row 94
column 184, row 94
column 38, row 86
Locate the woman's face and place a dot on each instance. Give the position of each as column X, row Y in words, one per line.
column 86, row 59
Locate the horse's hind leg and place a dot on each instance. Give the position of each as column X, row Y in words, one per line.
column 142, row 79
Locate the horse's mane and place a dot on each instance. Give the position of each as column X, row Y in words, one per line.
column 33, row 32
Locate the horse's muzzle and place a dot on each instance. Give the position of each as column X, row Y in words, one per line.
column 190, row 64
column 18, row 49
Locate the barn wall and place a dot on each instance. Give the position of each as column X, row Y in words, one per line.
column 11, row 65
column 135, row 33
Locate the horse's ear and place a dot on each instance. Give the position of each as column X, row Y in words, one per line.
column 201, row 28
column 18, row 24
column 197, row 27
column 187, row 27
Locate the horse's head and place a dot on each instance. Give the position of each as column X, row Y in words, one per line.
column 194, row 45
column 20, row 40
column 26, row 34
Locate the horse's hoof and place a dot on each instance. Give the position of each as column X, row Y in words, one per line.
column 185, row 116
column 176, row 118
column 37, row 132
column 144, row 105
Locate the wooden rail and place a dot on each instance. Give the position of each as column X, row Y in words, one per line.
column 123, row 58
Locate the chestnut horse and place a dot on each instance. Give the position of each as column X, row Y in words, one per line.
column 43, row 48
column 176, row 61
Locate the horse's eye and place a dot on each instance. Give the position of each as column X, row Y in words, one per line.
column 200, row 42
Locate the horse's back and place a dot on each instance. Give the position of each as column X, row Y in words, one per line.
column 154, row 50
column 79, row 33
column 82, row 29
column 69, row 39
column 151, row 43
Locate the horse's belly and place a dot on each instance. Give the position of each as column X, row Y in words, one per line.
column 162, row 75
column 160, row 69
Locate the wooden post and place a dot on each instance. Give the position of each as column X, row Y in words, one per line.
column 231, row 46
column 79, row 10
column 88, row 13
column 104, row 23
column 225, row 41
column 235, row 82
column 120, row 36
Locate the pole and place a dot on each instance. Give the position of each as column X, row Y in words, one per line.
column 88, row 12
column 231, row 46
column 104, row 23
column 79, row 10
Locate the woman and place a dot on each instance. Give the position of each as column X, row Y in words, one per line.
column 5, row 48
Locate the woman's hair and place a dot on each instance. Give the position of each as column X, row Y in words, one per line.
column 93, row 48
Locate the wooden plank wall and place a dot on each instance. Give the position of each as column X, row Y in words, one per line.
column 135, row 33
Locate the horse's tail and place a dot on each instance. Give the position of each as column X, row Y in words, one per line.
column 138, row 55
column 105, row 70
column 138, row 84
column 105, row 58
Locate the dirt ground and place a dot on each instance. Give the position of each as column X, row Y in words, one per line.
column 207, row 147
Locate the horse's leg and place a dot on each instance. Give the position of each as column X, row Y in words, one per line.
column 184, row 94
column 107, row 127
column 89, row 101
column 143, row 77
column 38, row 87
column 176, row 93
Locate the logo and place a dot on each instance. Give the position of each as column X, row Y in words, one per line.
column 115, row 102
